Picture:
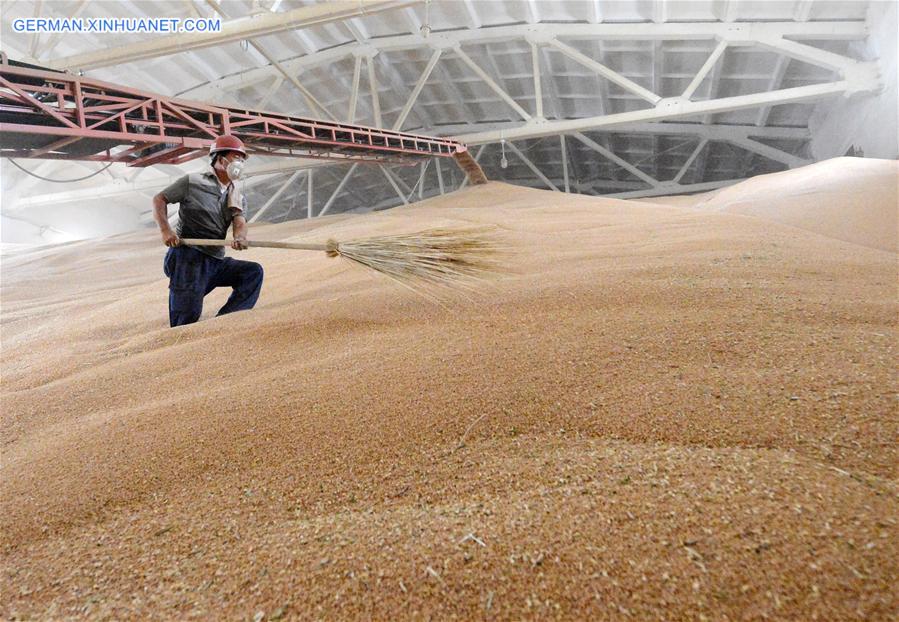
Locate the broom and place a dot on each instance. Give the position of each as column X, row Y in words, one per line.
column 437, row 258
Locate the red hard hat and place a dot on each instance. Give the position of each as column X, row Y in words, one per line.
column 227, row 142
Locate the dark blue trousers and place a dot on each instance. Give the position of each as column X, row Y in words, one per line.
column 193, row 274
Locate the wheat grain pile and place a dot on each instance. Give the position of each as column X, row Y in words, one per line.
column 662, row 412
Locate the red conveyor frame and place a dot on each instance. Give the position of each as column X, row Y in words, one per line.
column 46, row 113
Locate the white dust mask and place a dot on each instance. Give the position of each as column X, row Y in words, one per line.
column 235, row 168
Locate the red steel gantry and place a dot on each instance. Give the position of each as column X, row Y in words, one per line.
column 52, row 114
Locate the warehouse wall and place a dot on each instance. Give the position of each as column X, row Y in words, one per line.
column 70, row 222
column 16, row 231
column 866, row 122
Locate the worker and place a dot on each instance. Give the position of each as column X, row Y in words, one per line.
column 208, row 203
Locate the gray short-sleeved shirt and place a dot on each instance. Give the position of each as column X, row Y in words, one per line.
column 203, row 210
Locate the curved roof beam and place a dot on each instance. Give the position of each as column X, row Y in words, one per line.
column 233, row 30
column 668, row 109
column 848, row 30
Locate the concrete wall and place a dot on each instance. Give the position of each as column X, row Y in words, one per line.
column 867, row 122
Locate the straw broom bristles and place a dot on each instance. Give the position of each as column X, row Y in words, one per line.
column 427, row 260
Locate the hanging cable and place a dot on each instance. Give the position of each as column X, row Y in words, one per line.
column 59, row 181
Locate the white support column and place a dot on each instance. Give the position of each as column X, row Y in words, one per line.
column 614, row 158
column 656, row 82
column 421, row 179
column 552, row 87
column 275, row 196
column 493, row 85
column 413, row 97
column 531, row 166
column 373, row 89
column 702, row 165
column 338, row 190
column 309, row 194
column 354, row 94
column 439, row 176
column 596, row 12
column 704, row 71
column 392, row 181
column 686, row 166
column 564, row 152
column 418, row 184
column 614, row 76
column 603, row 90
column 660, row 11
column 538, row 92
column 780, row 70
column 714, row 81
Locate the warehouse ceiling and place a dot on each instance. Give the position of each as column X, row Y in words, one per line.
column 624, row 98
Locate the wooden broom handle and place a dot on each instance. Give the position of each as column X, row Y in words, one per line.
column 257, row 243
